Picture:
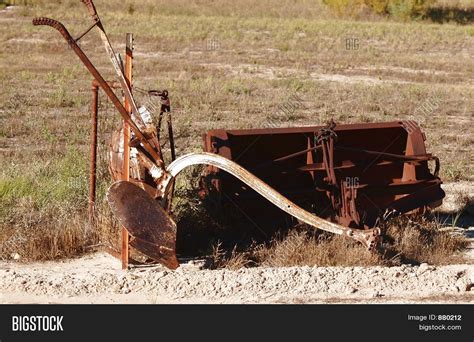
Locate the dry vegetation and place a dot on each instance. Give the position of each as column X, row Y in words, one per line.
column 460, row 11
column 405, row 241
column 262, row 52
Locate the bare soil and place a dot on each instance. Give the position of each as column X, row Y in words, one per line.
column 97, row 278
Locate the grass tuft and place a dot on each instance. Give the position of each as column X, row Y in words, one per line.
column 406, row 241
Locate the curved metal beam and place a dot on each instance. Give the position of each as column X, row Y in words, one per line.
column 367, row 237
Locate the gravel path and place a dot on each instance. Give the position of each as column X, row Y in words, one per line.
column 97, row 278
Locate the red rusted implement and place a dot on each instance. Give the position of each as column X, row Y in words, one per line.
column 342, row 179
column 350, row 174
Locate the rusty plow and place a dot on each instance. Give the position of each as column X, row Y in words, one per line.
column 342, row 179
column 155, row 231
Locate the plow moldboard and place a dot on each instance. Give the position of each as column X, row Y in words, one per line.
column 153, row 230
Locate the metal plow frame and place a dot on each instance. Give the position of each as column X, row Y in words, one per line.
column 367, row 237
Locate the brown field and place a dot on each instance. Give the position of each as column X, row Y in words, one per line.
column 226, row 64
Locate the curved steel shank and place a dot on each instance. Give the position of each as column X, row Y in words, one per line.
column 367, row 237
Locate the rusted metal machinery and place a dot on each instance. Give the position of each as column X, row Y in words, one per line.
column 338, row 178
column 354, row 174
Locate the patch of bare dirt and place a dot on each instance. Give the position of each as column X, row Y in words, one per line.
column 459, row 197
column 97, row 278
column 358, row 75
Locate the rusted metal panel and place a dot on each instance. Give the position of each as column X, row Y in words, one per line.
column 146, row 221
column 361, row 173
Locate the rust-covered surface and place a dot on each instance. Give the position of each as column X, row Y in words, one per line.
column 351, row 174
column 146, row 221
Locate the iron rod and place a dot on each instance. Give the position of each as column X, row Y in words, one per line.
column 126, row 140
column 93, row 152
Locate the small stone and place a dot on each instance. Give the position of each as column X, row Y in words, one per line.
column 352, row 290
column 454, row 288
column 377, row 294
column 424, row 267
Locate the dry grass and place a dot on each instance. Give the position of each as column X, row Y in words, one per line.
column 267, row 51
column 405, row 241
column 70, row 236
column 232, row 260
column 301, row 248
column 422, row 240
column 54, row 233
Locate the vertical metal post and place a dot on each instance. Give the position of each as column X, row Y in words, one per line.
column 93, row 152
column 126, row 140
column 169, row 203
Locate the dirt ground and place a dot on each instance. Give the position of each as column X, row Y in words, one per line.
column 97, row 278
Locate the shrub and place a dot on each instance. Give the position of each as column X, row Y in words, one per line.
column 345, row 7
column 400, row 9
column 408, row 9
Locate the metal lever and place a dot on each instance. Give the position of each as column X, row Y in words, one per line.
column 91, row 8
column 103, row 84
column 56, row 25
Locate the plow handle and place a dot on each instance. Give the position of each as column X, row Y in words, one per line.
column 103, row 84
column 54, row 24
column 91, row 7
